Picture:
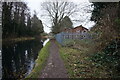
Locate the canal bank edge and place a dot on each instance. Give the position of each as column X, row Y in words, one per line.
column 40, row 62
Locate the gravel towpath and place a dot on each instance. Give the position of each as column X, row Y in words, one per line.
column 55, row 66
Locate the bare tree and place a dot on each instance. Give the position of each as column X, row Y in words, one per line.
column 57, row 11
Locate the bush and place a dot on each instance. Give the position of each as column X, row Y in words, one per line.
column 110, row 57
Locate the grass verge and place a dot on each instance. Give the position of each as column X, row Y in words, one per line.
column 40, row 62
column 78, row 63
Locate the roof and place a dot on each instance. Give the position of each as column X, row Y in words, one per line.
column 81, row 28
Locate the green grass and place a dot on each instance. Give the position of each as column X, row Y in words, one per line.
column 40, row 62
column 78, row 63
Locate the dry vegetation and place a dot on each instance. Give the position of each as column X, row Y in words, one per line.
column 98, row 57
column 78, row 62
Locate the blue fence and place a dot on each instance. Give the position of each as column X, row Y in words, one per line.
column 61, row 36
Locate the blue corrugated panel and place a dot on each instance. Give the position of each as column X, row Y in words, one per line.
column 59, row 37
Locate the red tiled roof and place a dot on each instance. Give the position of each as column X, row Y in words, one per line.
column 80, row 28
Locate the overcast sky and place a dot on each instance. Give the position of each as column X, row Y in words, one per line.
column 82, row 15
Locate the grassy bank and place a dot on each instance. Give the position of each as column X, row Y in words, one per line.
column 40, row 62
column 18, row 39
column 7, row 40
column 77, row 60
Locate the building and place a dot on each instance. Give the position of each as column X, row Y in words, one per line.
column 78, row 29
column 78, row 32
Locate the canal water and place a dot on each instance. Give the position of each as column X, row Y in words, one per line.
column 18, row 59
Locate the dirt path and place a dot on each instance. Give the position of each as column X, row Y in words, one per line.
column 55, row 67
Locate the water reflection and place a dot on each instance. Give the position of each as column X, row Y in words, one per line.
column 18, row 59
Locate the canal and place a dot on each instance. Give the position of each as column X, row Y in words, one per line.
column 19, row 58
